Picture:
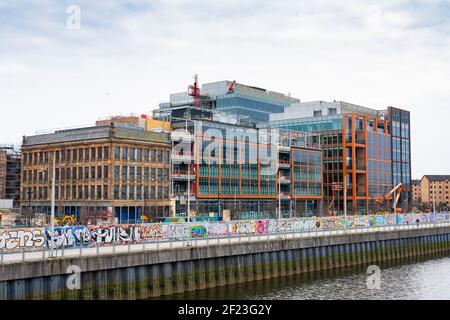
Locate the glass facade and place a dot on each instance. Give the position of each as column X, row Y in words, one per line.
column 251, row 172
column 256, row 108
column 401, row 152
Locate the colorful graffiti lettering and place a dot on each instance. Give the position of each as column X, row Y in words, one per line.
column 115, row 234
column 76, row 236
column 198, row 231
column 22, row 238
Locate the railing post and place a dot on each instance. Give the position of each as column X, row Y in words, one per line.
column 114, row 247
column 157, row 243
column 98, row 249
column 23, row 254
column 43, row 252
column 81, row 250
column 129, row 246
column 1, row 256
column 62, row 251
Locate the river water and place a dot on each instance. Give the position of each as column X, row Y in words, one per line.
column 415, row 280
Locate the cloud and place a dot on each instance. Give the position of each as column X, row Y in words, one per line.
column 388, row 53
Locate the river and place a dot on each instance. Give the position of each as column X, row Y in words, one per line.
column 416, row 280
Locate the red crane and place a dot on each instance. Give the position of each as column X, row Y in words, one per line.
column 194, row 91
column 231, row 87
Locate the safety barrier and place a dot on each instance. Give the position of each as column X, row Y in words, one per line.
column 29, row 239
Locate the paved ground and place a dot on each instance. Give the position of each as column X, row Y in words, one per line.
column 45, row 253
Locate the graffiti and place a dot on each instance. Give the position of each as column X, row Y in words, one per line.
column 218, row 229
column 22, row 238
column 299, row 225
column 67, row 236
column 198, row 231
column 178, row 231
column 152, row 232
column 89, row 236
column 115, row 234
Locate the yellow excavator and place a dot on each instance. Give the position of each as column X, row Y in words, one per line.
column 67, row 220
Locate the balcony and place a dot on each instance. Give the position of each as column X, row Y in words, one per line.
column 285, row 180
column 183, row 175
column 284, row 149
column 284, row 164
column 180, row 135
column 183, row 158
column 182, row 196
column 285, row 195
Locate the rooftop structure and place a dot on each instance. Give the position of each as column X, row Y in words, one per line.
column 235, row 98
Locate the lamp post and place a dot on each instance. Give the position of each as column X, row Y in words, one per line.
column 345, row 200
column 279, row 181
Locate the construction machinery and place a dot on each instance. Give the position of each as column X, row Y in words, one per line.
column 394, row 194
column 335, row 186
column 69, row 220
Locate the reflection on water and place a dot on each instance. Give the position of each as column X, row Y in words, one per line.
column 419, row 280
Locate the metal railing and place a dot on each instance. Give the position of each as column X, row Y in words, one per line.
column 176, row 235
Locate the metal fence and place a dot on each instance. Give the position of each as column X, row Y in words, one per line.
column 70, row 241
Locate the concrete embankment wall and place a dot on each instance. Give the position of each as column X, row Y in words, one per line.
column 147, row 274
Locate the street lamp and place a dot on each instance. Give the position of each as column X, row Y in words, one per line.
column 52, row 208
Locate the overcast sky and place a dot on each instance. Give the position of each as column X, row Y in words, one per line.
column 127, row 56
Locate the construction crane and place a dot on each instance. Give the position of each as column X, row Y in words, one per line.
column 194, row 91
column 231, row 87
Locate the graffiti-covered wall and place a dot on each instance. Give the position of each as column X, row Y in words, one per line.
column 89, row 236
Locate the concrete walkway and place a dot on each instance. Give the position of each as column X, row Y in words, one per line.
column 45, row 253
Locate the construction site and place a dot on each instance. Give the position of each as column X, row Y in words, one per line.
column 10, row 162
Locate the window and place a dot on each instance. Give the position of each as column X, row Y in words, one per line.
column 332, row 111
column 116, row 172
column 105, row 192
column 159, row 174
column 92, row 172
column 100, row 153
column 106, row 153
column 124, row 153
column 131, row 192
column 99, row 192
column 124, row 173
column 159, row 155
column 159, row 195
column 153, row 159
column 139, row 154
column 139, row 173
column 92, row 154
column 124, row 193
column 318, row 113
column 116, row 192
column 86, row 154
column 146, row 155
column 117, row 153
column 153, row 174
column 105, row 172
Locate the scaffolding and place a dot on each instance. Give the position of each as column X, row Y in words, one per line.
column 10, row 173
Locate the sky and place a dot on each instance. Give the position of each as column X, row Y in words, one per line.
column 59, row 69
